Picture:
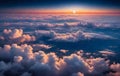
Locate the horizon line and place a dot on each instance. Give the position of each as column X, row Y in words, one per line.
column 59, row 13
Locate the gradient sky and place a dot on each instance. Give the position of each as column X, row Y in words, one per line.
column 60, row 5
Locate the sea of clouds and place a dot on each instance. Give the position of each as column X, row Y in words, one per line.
column 35, row 45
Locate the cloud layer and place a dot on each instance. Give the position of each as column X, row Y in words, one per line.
column 71, row 36
column 59, row 45
column 24, row 61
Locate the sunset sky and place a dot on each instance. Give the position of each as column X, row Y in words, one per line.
column 61, row 6
column 59, row 37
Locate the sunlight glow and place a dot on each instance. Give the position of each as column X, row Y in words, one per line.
column 74, row 11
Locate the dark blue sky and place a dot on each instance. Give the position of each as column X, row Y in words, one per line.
column 56, row 3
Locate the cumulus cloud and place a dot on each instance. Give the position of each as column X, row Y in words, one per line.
column 18, row 59
column 16, row 36
column 16, row 33
column 4, row 66
column 8, row 52
column 27, row 62
column 115, row 67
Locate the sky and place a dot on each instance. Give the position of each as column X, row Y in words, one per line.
column 60, row 6
column 52, row 38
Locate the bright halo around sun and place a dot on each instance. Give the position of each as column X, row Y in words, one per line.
column 74, row 11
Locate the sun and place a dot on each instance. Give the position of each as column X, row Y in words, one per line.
column 74, row 11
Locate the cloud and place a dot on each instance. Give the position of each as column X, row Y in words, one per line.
column 41, row 46
column 4, row 66
column 16, row 33
column 63, row 51
column 27, row 62
column 71, row 36
column 79, row 35
column 26, row 74
column 107, row 52
column 54, row 20
column 8, row 52
column 115, row 67
column 78, row 74
column 40, row 33
column 18, row 59
column 16, row 36
column 29, row 58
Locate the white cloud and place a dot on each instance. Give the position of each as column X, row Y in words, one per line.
column 16, row 36
column 41, row 63
column 16, row 33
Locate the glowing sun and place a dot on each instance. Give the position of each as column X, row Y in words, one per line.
column 74, row 11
